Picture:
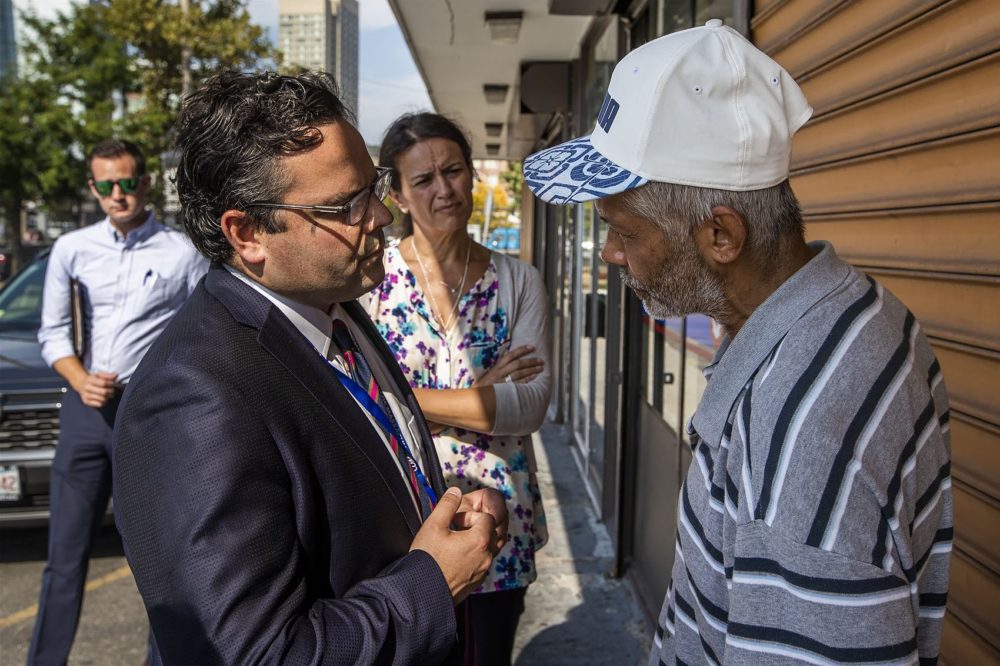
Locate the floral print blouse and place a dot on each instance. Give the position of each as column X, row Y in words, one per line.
column 432, row 358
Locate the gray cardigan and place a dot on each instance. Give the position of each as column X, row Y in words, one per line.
column 520, row 408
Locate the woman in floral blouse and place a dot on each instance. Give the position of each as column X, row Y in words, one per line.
column 469, row 328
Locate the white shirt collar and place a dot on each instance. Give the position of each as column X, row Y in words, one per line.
column 141, row 232
column 315, row 324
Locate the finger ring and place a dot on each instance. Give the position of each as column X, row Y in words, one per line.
column 508, row 379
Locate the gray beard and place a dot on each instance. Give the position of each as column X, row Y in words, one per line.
column 682, row 287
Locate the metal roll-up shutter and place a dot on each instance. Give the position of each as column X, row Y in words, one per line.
column 900, row 169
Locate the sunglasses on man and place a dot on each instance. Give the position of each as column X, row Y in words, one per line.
column 106, row 187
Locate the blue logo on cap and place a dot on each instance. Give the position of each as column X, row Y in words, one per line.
column 606, row 116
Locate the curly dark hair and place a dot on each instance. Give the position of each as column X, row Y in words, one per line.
column 231, row 135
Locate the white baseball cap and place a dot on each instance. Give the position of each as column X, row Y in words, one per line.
column 699, row 107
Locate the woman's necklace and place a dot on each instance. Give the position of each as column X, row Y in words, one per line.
column 456, row 292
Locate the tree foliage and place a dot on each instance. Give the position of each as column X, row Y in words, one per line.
column 219, row 35
column 62, row 102
column 513, row 178
column 501, row 204
column 101, row 70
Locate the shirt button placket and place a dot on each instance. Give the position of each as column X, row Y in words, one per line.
column 122, row 283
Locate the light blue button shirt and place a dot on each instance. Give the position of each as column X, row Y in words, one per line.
column 132, row 286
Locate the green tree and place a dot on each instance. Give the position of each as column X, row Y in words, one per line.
column 64, row 100
column 513, row 178
column 501, row 204
column 23, row 155
column 101, row 70
column 76, row 53
column 218, row 34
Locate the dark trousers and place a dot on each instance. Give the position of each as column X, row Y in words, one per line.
column 80, row 488
column 491, row 623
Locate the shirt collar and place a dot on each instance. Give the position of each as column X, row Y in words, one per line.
column 313, row 323
column 737, row 359
column 140, row 233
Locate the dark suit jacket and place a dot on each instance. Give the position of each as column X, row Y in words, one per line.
column 262, row 516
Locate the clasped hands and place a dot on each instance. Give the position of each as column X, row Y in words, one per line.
column 463, row 534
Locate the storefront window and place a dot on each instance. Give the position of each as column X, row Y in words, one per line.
column 670, row 333
column 703, row 337
column 591, row 367
column 567, row 233
column 677, row 15
column 599, row 327
column 585, row 228
column 683, row 14
column 710, row 9
column 662, row 354
column 588, row 344
column 550, row 253
column 605, row 57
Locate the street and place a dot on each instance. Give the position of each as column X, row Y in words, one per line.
column 113, row 626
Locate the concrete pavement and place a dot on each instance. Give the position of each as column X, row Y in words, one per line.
column 112, row 627
column 575, row 613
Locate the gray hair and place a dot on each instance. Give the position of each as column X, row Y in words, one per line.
column 771, row 213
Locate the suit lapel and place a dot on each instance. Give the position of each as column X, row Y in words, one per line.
column 278, row 337
column 402, row 388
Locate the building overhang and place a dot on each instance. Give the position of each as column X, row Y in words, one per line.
column 514, row 69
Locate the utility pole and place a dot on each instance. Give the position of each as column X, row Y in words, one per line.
column 487, row 212
column 185, row 56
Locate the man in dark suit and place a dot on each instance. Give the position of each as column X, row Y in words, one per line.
column 275, row 483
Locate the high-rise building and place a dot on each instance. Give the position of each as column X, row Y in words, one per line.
column 8, row 48
column 323, row 35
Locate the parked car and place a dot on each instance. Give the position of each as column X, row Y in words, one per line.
column 30, row 397
column 4, row 265
column 505, row 239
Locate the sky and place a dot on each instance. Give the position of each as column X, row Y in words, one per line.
column 389, row 84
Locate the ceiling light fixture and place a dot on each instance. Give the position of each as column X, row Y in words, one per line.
column 504, row 26
column 496, row 93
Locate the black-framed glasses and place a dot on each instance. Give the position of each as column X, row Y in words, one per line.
column 356, row 208
column 127, row 185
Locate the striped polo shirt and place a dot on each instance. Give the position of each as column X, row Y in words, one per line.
column 815, row 523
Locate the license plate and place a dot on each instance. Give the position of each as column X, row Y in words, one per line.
column 10, row 483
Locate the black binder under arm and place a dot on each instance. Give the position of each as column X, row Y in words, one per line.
column 77, row 323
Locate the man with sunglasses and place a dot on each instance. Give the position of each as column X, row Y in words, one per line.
column 276, row 486
column 130, row 275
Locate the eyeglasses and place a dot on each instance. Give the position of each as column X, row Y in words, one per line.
column 357, row 207
column 127, row 185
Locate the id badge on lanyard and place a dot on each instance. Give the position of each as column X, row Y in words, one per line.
column 371, row 406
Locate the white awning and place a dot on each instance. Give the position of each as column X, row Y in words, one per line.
column 458, row 56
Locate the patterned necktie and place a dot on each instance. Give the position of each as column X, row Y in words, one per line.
column 361, row 373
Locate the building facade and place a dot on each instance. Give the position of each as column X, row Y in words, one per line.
column 322, row 35
column 8, row 45
column 899, row 167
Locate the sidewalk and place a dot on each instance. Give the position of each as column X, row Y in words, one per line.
column 574, row 613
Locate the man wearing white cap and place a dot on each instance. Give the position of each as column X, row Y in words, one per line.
column 815, row 524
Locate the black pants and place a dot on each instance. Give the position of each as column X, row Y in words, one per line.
column 491, row 623
column 80, row 488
